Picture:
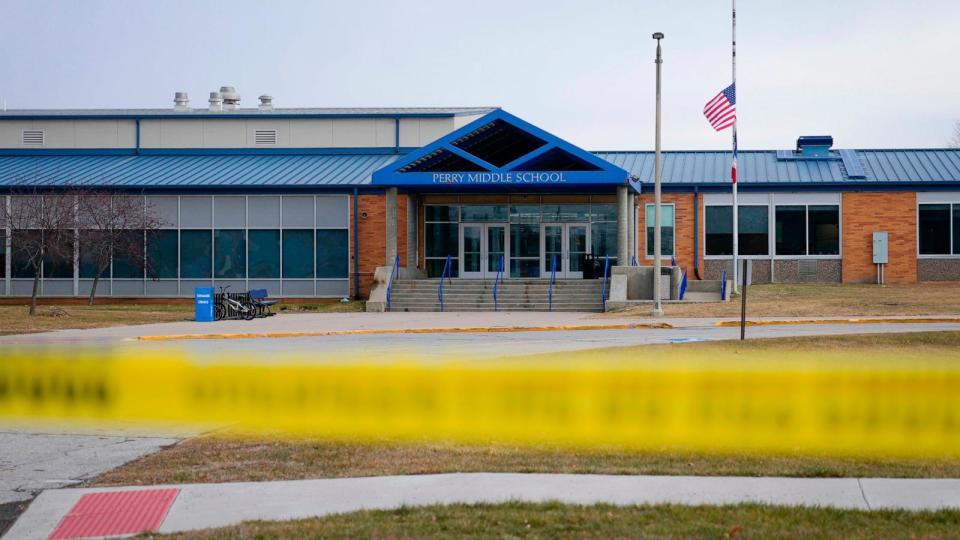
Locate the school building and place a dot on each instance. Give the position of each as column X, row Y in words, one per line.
column 310, row 202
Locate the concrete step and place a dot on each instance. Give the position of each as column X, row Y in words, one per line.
column 696, row 296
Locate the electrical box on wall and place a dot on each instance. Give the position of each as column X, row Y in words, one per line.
column 880, row 248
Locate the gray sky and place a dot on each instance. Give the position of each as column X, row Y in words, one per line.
column 872, row 73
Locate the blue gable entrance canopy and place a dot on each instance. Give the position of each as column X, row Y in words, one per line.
column 500, row 150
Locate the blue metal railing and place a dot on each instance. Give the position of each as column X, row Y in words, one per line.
column 633, row 261
column 683, row 284
column 553, row 279
column 445, row 274
column 723, row 285
column 496, row 285
column 606, row 274
column 393, row 272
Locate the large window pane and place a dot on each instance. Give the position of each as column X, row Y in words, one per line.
column 435, row 267
column 441, row 239
column 229, row 254
column 718, row 228
column 525, row 213
column 264, row 253
column 58, row 261
column 603, row 239
column 90, row 258
column 934, row 229
column 297, row 253
column 525, row 241
column 566, row 212
column 956, row 229
column 162, row 254
column 824, row 230
column 333, row 257
column 196, row 249
column 791, row 234
column 753, row 231
column 666, row 229
column 484, row 212
column 128, row 259
column 603, row 212
column 438, row 212
column 21, row 264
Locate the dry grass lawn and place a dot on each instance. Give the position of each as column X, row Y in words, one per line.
column 824, row 300
column 555, row 520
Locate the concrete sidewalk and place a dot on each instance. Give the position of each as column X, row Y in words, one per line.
column 332, row 323
column 199, row 506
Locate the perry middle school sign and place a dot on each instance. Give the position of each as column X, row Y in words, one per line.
column 499, row 149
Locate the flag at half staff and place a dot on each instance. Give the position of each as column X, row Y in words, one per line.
column 721, row 111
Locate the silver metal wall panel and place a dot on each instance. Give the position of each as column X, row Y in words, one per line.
column 298, row 212
column 229, row 212
column 128, row 287
column 333, row 287
column 21, row 287
column 84, row 286
column 163, row 287
column 236, row 285
column 297, row 288
column 332, row 211
column 195, row 212
column 57, row 287
column 165, row 208
column 263, row 212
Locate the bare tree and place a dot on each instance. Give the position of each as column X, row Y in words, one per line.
column 41, row 226
column 113, row 226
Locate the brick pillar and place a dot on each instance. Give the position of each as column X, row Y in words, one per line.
column 412, row 231
column 623, row 220
column 390, row 232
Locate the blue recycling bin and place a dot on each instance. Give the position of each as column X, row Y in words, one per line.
column 203, row 303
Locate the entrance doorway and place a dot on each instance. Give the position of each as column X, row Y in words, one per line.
column 566, row 243
column 482, row 245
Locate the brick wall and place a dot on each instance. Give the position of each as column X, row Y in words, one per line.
column 683, row 232
column 866, row 213
column 372, row 235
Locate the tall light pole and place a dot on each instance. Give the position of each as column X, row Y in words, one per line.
column 657, row 308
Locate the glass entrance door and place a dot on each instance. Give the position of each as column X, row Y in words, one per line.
column 564, row 248
column 482, row 245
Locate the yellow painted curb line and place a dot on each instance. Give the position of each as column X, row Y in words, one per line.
column 368, row 331
column 838, row 321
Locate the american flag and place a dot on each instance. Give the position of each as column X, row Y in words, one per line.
column 721, row 111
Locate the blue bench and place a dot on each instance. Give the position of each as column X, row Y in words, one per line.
column 259, row 298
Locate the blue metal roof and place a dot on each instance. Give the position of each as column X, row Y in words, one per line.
column 765, row 167
column 189, row 171
column 688, row 168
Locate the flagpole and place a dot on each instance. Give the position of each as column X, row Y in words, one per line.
column 733, row 178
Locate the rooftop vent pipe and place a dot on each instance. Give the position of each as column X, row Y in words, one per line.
column 181, row 102
column 216, row 102
column 266, row 103
column 231, row 98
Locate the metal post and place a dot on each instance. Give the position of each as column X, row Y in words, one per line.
column 736, row 221
column 743, row 304
column 657, row 307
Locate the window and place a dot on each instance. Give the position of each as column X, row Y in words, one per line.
column 88, row 256
column 666, row 229
column 21, row 266
column 3, row 254
column 525, row 213
column 128, row 264
column 196, row 248
column 264, row 253
column 229, row 254
column 603, row 212
column 718, row 229
column 603, row 239
column 807, row 230
column 441, row 231
column 525, row 250
column 298, row 254
column 333, row 257
column 488, row 212
column 162, row 254
column 58, row 260
column 566, row 212
column 934, row 224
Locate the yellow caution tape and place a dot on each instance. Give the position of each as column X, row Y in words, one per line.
column 727, row 402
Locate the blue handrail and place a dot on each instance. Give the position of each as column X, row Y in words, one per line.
column 606, row 273
column 393, row 272
column 633, row 261
column 553, row 278
column 723, row 285
column 496, row 285
column 683, row 284
column 444, row 274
